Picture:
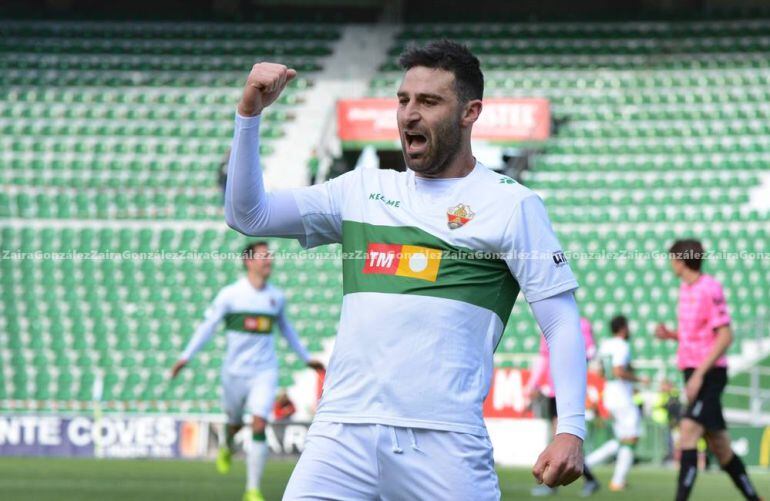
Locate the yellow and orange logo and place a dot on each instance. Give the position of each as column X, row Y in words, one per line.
column 258, row 324
column 403, row 260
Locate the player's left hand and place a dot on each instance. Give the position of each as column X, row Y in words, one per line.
column 315, row 364
column 561, row 463
column 178, row 366
column 693, row 387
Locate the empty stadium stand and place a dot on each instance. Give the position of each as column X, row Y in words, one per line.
column 112, row 134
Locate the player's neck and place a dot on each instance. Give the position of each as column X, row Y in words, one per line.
column 256, row 281
column 460, row 166
column 690, row 276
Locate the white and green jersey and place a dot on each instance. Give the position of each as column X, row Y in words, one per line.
column 250, row 317
column 616, row 352
column 431, row 269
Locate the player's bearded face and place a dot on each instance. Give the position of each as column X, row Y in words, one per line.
column 429, row 116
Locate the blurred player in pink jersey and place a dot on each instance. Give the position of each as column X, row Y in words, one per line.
column 704, row 335
column 541, row 384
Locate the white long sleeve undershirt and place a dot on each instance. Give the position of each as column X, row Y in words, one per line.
column 292, row 337
column 248, row 208
column 204, row 332
column 559, row 319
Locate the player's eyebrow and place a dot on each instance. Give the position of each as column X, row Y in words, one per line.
column 427, row 95
column 421, row 96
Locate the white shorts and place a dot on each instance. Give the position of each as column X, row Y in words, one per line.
column 627, row 420
column 253, row 395
column 359, row 462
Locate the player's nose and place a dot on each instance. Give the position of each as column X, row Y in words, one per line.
column 410, row 114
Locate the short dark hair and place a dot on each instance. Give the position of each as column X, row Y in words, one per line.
column 251, row 248
column 618, row 323
column 449, row 56
column 689, row 251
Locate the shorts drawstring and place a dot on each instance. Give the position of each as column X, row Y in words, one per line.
column 394, row 439
column 413, row 439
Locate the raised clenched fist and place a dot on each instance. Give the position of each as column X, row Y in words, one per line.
column 265, row 83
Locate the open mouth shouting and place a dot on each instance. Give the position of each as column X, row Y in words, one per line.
column 416, row 143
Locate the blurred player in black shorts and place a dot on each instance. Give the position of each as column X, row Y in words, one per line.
column 704, row 335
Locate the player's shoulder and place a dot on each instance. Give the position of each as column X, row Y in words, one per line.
column 370, row 173
column 502, row 187
column 232, row 289
column 364, row 180
column 383, row 176
column 235, row 286
column 276, row 293
column 274, row 290
column 710, row 281
column 614, row 343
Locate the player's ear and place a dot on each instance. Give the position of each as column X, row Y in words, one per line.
column 471, row 112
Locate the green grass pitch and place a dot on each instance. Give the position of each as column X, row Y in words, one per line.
column 44, row 479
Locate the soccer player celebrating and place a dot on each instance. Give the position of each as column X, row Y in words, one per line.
column 434, row 258
column 250, row 309
column 704, row 335
column 618, row 398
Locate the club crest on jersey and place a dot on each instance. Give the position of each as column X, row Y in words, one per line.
column 458, row 215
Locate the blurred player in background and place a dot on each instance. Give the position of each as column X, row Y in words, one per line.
column 401, row 412
column 250, row 309
column 704, row 335
column 618, row 398
column 540, row 385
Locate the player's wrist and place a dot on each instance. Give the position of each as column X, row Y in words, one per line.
column 570, row 436
column 248, row 111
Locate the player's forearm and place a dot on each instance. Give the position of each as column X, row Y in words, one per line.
column 723, row 341
column 202, row 335
column 248, row 208
column 245, row 191
column 559, row 319
column 293, row 339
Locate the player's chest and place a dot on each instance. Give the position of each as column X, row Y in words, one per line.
column 693, row 308
column 464, row 220
column 259, row 303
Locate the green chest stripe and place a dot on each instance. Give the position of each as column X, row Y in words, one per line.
column 250, row 323
column 409, row 260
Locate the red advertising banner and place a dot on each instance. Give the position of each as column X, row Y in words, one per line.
column 502, row 119
column 507, row 396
